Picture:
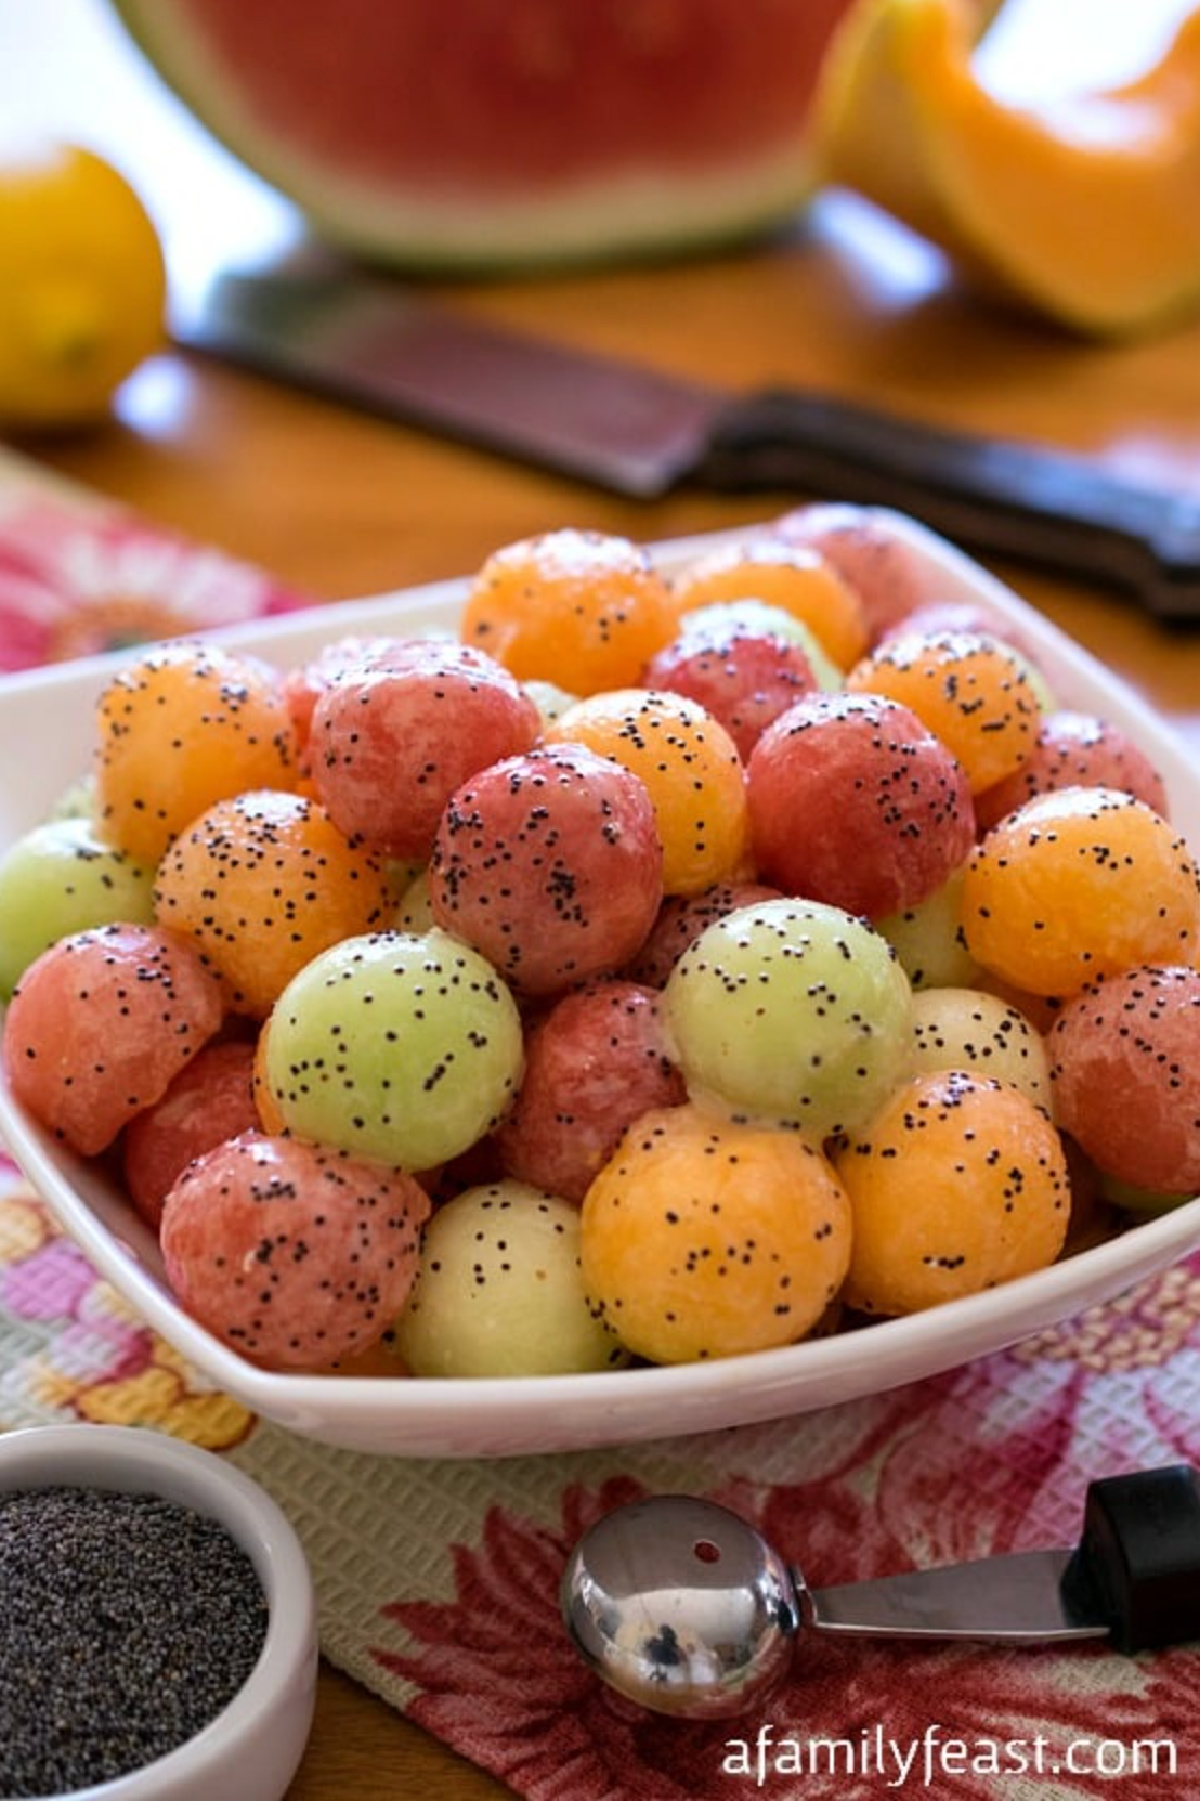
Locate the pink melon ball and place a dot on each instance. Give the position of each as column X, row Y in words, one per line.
column 1125, row 1069
column 211, row 1099
column 854, row 802
column 101, row 1024
column 292, row 1254
column 1075, row 750
column 551, row 866
column 593, row 1064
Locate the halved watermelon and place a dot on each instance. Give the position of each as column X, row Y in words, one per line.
column 507, row 132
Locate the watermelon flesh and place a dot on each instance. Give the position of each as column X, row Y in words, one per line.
column 444, row 132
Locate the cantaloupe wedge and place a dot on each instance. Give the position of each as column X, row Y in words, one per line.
column 1086, row 209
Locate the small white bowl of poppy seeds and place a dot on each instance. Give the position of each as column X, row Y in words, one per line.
column 157, row 1622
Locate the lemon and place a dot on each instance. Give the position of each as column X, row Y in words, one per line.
column 82, row 285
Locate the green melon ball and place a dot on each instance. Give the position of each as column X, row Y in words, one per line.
column 966, row 1028
column 499, row 1291
column 58, row 879
column 791, row 1012
column 550, row 700
column 414, row 909
column 1146, row 1202
column 928, row 939
column 401, row 1047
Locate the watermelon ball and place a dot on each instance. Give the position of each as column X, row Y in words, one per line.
column 791, row 1012
column 583, row 609
column 744, row 679
column 1125, row 1064
column 304, row 685
column 975, row 693
column 854, row 802
column 958, row 1183
column 210, row 1100
column 61, row 878
column 392, row 740
column 292, row 1254
column 183, row 726
column 594, row 1062
column 1075, row 750
column 499, row 1291
column 683, row 917
column 402, row 1048
column 760, row 619
column 966, row 1028
column 262, row 883
column 928, row 937
column 100, row 1025
column 551, row 865
column 870, row 554
column 691, row 769
column 794, row 577
column 707, row 1238
column 1077, row 884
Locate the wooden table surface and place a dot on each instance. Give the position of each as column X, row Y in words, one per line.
column 342, row 505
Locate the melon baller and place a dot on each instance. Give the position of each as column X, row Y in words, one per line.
column 683, row 1607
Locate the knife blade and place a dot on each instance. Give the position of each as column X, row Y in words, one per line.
column 364, row 338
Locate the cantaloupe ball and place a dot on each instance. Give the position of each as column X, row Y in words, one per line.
column 1076, row 885
column 704, row 1238
column 184, row 726
column 957, row 1184
column 691, row 768
column 974, row 693
column 790, row 576
column 582, row 609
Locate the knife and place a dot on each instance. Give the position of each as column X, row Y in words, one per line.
column 362, row 337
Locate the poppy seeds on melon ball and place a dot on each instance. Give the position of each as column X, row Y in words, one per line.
column 293, row 1254
column 854, row 802
column 791, row 1012
column 1125, row 1067
column 390, row 740
column 404, row 1048
column 705, row 1238
column 958, row 1182
column 499, row 1291
column 101, row 1024
column 550, row 864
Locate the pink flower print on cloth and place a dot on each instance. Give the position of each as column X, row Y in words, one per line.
column 75, row 582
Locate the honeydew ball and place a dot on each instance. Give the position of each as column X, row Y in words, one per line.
column 405, row 1048
column 965, row 1028
column 59, row 879
column 790, row 1012
column 928, row 938
column 499, row 1291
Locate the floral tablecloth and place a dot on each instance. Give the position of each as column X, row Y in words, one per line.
column 437, row 1582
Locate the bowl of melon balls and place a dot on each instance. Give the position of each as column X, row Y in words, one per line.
column 631, row 991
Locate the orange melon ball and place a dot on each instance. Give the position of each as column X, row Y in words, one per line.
column 975, row 694
column 1079, row 884
column 959, row 1182
column 185, row 725
column 691, row 768
column 790, row 576
column 703, row 1238
column 260, row 884
column 270, row 1113
column 585, row 610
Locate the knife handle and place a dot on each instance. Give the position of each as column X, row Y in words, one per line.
column 989, row 496
column 1137, row 1566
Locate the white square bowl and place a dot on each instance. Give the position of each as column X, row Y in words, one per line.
column 45, row 726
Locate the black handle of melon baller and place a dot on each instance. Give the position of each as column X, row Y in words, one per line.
column 990, row 496
column 1137, row 1565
